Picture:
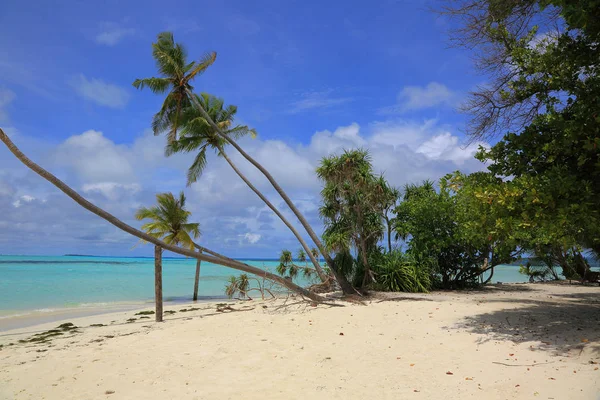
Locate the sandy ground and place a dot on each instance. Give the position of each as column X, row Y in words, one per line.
column 505, row 342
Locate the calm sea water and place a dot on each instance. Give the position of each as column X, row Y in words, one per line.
column 47, row 283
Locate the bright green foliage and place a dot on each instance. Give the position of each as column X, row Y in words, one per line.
column 175, row 80
column 353, row 203
column 169, row 221
column 197, row 135
column 545, row 100
column 485, row 222
column 399, row 272
column 288, row 268
column 239, row 285
column 451, row 231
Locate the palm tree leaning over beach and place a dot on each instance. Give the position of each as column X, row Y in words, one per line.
column 169, row 222
column 177, row 75
column 197, row 134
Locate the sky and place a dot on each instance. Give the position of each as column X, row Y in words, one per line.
column 313, row 78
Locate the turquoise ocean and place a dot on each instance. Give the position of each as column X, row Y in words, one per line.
column 46, row 283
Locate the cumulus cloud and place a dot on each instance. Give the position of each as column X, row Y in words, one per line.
column 252, row 237
column 445, row 146
column 112, row 33
column 100, row 92
column 25, row 198
column 94, row 158
column 412, row 98
column 121, row 178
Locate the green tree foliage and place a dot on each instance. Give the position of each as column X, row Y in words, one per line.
column 197, row 135
column 453, row 230
column 238, row 285
column 176, row 77
column 543, row 98
column 169, row 221
column 290, row 268
column 354, row 199
column 175, row 80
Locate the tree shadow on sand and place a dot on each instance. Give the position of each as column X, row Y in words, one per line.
column 561, row 323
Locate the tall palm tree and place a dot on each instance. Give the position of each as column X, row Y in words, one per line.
column 172, row 65
column 169, row 222
column 198, row 135
column 214, row 258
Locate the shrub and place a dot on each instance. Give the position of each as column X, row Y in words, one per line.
column 398, row 272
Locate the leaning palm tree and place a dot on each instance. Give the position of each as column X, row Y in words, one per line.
column 214, row 257
column 169, row 222
column 175, row 81
column 198, row 135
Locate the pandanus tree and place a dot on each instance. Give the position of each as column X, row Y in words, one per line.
column 212, row 256
column 354, row 200
column 175, row 81
column 169, row 222
column 197, row 135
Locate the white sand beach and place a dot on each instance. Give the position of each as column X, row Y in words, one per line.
column 517, row 341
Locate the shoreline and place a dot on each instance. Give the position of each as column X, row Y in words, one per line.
column 16, row 319
column 31, row 318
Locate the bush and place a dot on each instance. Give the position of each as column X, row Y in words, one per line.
column 398, row 272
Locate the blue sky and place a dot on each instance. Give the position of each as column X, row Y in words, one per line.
column 313, row 78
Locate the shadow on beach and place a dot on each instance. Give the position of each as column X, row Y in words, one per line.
column 562, row 323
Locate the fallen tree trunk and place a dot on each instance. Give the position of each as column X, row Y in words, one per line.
column 227, row 262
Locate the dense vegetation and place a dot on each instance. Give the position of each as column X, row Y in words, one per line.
column 540, row 195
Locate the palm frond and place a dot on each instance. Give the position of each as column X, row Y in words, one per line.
column 201, row 65
column 197, row 167
column 156, row 85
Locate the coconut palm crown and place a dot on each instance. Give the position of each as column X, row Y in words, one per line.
column 169, row 221
column 177, row 73
column 196, row 134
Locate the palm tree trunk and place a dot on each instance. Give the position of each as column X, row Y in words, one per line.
column 144, row 236
column 158, row 294
column 341, row 279
column 197, row 278
column 307, row 249
column 389, row 233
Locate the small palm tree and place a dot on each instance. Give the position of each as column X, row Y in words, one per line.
column 169, row 222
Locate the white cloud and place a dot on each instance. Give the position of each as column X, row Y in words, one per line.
column 100, row 92
column 112, row 190
column 25, row 198
column 121, row 178
column 412, row 98
column 95, row 159
column 317, row 100
column 112, row 33
column 252, row 238
column 6, row 97
column 445, row 146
